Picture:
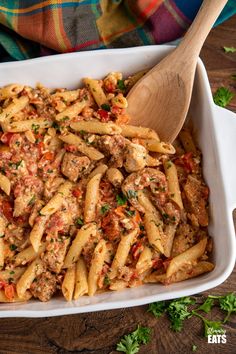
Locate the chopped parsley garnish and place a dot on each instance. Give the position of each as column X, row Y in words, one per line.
column 227, row 303
column 105, row 208
column 106, row 107
column 1, row 236
column 56, row 126
column 229, row 49
column 121, row 85
column 131, row 194
column 121, row 199
column 206, row 306
column 35, row 128
column 32, row 200
column 49, row 171
column 178, row 312
column 15, row 165
column 82, row 132
column 12, row 272
column 13, row 247
column 106, row 280
column 79, row 221
column 2, row 170
column 130, row 343
column 222, row 96
column 64, row 119
column 130, row 212
column 210, row 327
column 157, row 308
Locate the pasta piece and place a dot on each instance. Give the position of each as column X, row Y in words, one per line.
column 96, row 127
column 12, row 274
column 89, row 151
column 154, row 232
column 68, row 283
column 155, row 278
column 169, row 232
column 28, row 255
column 37, row 232
column 30, row 124
column 145, row 260
column 10, row 91
column 25, row 281
column 183, row 274
column 83, row 235
column 5, row 184
column 101, row 169
column 15, row 298
column 30, row 136
column 187, row 257
column 115, row 176
column 122, row 253
column 118, row 284
column 96, row 90
column 187, row 141
column 173, row 183
column 158, row 146
column 3, row 225
column 131, row 131
column 71, row 111
column 81, row 279
column 67, row 96
column 91, row 198
column 145, row 202
column 57, row 200
column 131, row 81
column 16, row 106
column 119, row 101
column 97, row 262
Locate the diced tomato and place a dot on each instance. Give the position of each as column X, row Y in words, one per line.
column 48, row 156
column 9, row 291
column 107, row 191
column 2, row 284
column 77, row 192
column 137, row 249
column 71, row 148
column 110, row 87
column 120, row 211
column 6, row 209
column 110, row 226
column 157, row 263
column 186, row 161
column 104, row 115
column 6, row 137
column 40, row 147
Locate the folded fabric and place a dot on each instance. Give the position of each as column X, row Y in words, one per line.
column 32, row 28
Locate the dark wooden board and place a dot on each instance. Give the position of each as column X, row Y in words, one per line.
column 98, row 333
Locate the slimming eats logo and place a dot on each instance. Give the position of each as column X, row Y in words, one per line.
column 216, row 336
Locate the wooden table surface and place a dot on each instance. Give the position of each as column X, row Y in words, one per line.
column 98, row 333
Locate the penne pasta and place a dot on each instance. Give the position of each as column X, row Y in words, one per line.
column 187, row 257
column 91, row 198
column 68, row 283
column 158, row 146
column 16, row 106
column 81, row 279
column 118, row 284
column 5, row 184
column 96, row 127
column 72, row 111
column 12, row 274
column 37, row 232
column 15, row 298
column 95, row 270
column 28, row 255
column 56, row 202
column 154, row 232
column 101, row 169
column 3, row 225
column 89, row 151
column 115, row 176
column 96, row 90
column 131, row 131
column 83, row 235
column 169, row 233
column 145, row 260
column 23, row 284
column 188, row 273
column 173, row 183
column 10, row 91
column 27, row 125
column 187, row 141
column 122, row 253
column 145, row 202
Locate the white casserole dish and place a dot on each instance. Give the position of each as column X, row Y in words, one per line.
column 215, row 130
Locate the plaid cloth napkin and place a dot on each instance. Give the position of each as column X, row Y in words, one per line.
column 32, row 28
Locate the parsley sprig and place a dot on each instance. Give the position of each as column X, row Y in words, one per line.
column 227, row 303
column 130, row 343
column 222, row 96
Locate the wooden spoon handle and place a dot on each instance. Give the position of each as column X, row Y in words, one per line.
column 201, row 26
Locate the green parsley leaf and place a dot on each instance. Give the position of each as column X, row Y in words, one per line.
column 121, row 85
column 106, row 281
column 229, row 49
column 64, row 119
column 2, row 170
column 105, row 208
column 13, row 247
column 178, row 312
column 32, row 200
column 35, row 128
column 228, row 303
column 157, row 308
column 206, row 306
column 79, row 221
column 130, row 212
column 15, row 165
column 129, row 344
column 106, row 107
column 210, row 327
column 121, row 199
column 222, row 96
column 131, row 194
column 56, row 126
column 194, row 348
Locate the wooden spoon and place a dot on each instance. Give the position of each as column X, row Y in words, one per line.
column 160, row 100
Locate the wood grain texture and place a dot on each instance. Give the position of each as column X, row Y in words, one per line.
column 98, row 333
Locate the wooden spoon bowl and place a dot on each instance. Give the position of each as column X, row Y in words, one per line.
column 160, row 100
